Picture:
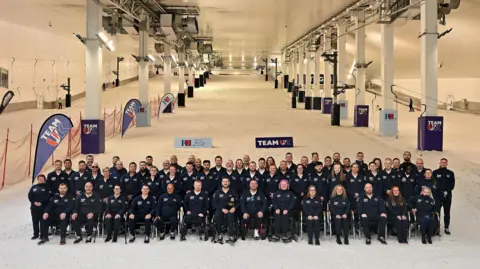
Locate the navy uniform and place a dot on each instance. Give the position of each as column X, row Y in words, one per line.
column 362, row 167
column 299, row 187
column 85, row 205
column 320, row 181
column 390, row 179
column 194, row 204
column 209, row 181
column 168, row 206
column 216, row 171
column 270, row 185
column 225, row 200
column 39, row 193
column 430, row 183
column 376, row 181
column 143, row 175
column 340, row 206
column 175, row 180
column 283, row 200
column 104, row 188
column 154, row 184
column 54, row 180
column 425, row 206
column 131, row 185
column 187, row 181
column 292, row 168
column 287, row 175
column 373, row 207
column 79, row 179
column 252, row 204
column 312, row 207
column 445, row 185
column 335, row 179
column 118, row 174
column 248, row 176
column 116, row 207
column 140, row 208
column 235, row 181
column 396, row 209
column 58, row 205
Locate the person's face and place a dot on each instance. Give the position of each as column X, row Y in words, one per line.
column 166, row 165
column 146, row 190
column 372, row 167
column 132, row 168
column 62, row 189
column 288, row 157
column 407, row 156
column 173, row 170
column 261, row 164
column 346, row 163
column 339, row 191
column 336, row 157
column 106, row 173
column 229, row 165
column 198, row 163
column 443, row 163
column 428, row 174
column 318, row 168
column 119, row 165
column 328, row 162
column 191, row 158
column 246, row 159
column 189, row 168
column 396, row 191
column 218, row 162
column 149, row 161
column 117, row 190
column 143, row 166
column 173, row 159
column 252, row 167
column 153, row 172
column 283, row 166
column 419, row 164
column 396, row 164
column 377, row 164
column 40, row 180
column 94, row 167
column 304, row 161
column 388, row 164
column 225, row 182
column 269, row 161
column 284, row 185
column 88, row 187
column 426, row 192
column 115, row 160
column 368, row 188
column 355, row 168
column 272, row 169
column 312, row 191
column 68, row 165
column 300, row 169
column 315, row 158
column 239, row 164
column 360, row 157
column 253, row 185
column 170, row 188
column 82, row 166
column 90, row 159
column 197, row 186
column 206, row 166
column 58, row 166
column 337, row 168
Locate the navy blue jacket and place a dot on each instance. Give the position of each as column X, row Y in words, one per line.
column 235, row 181
column 105, row 188
column 425, row 205
column 79, row 180
column 116, row 205
column 143, row 207
column 222, row 200
column 176, row 181
column 284, row 200
column 355, row 184
column 54, row 180
column 196, row 203
column 168, row 205
column 299, row 185
column 253, row 203
column 445, row 179
column 155, row 185
column 320, row 181
column 339, row 205
column 39, row 193
column 209, row 181
column 247, row 177
column 408, row 186
column 371, row 206
column 131, row 185
column 86, row 205
column 59, row 204
column 396, row 208
column 270, row 185
column 311, row 206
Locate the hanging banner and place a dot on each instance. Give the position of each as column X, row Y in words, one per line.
column 51, row 134
column 166, row 104
column 129, row 112
column 6, row 100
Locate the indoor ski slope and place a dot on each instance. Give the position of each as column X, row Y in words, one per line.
column 233, row 111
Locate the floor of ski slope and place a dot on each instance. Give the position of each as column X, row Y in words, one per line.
column 233, row 111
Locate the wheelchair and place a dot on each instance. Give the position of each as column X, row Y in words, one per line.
column 415, row 230
column 224, row 229
column 295, row 229
column 167, row 224
column 203, row 229
column 96, row 229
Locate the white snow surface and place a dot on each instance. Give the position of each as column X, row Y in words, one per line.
column 233, row 111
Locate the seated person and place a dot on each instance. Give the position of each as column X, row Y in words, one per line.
column 372, row 210
column 423, row 206
column 283, row 202
column 339, row 208
column 312, row 209
column 168, row 206
column 195, row 206
column 141, row 210
column 397, row 213
column 253, row 205
column 224, row 204
column 88, row 207
column 115, row 209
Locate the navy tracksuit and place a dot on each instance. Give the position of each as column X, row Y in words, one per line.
column 425, row 206
column 225, row 200
column 54, row 179
column 209, row 181
column 445, row 185
column 247, row 177
column 140, row 208
column 283, row 200
column 395, row 209
column 373, row 207
column 58, row 205
column 154, row 184
column 176, row 181
column 104, row 188
column 187, row 182
column 235, row 181
column 340, row 206
column 312, row 207
column 131, row 185
column 115, row 206
column 39, row 193
column 299, row 187
column 334, row 180
column 193, row 205
column 251, row 204
column 79, row 179
column 83, row 206
column 270, row 185
column 168, row 206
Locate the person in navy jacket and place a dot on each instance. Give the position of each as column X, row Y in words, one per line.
column 445, row 185
column 371, row 209
column 397, row 213
column 38, row 196
column 312, row 212
column 283, row 202
column 114, row 213
column 56, row 177
column 195, row 207
column 142, row 209
column 424, row 207
column 340, row 210
column 253, row 206
column 224, row 203
column 168, row 206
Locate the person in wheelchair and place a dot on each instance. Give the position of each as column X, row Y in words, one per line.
column 224, row 203
column 141, row 210
column 284, row 202
column 195, row 206
column 371, row 209
column 88, row 208
column 339, row 210
column 168, row 206
column 57, row 213
column 397, row 213
column 424, row 207
column 253, row 205
column 312, row 209
column 115, row 209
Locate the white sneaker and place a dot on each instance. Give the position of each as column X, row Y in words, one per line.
column 255, row 233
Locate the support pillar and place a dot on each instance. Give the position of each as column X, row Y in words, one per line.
column 360, row 57
column 301, row 76
column 94, row 142
column 308, row 83
column 317, row 99
column 181, row 79
column 328, row 67
column 341, row 69
column 389, row 114
column 143, row 116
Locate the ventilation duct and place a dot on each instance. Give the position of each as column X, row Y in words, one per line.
column 167, row 25
column 129, row 28
column 194, row 49
column 190, row 25
column 113, row 25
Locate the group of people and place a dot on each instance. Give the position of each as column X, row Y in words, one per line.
column 264, row 198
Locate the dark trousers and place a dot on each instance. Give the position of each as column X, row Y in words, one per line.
column 341, row 224
column 446, row 203
column 37, row 214
column 60, row 106
column 313, row 227
column 411, row 108
column 426, row 225
column 191, row 221
column 82, row 219
column 401, row 226
column 252, row 221
column 113, row 223
column 225, row 219
column 282, row 223
column 172, row 220
column 53, row 220
column 132, row 223
column 380, row 221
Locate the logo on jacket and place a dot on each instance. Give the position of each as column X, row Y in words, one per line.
column 54, row 133
column 434, row 126
column 90, row 129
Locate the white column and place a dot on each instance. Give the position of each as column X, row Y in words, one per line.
column 360, row 56
column 302, row 67
column 387, row 65
column 191, row 79
column 342, row 57
column 298, row 79
column 429, row 57
column 143, row 67
column 316, row 75
column 167, row 71
column 93, row 63
column 181, row 79
column 328, row 67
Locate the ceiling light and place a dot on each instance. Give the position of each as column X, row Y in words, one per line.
column 151, row 58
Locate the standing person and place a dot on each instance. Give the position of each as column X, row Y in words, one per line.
column 105, row 184
column 407, row 161
column 67, row 163
column 253, row 206
column 39, row 195
column 251, row 174
column 410, row 105
column 320, row 181
column 142, row 209
column 312, row 210
column 347, row 168
column 89, row 159
column 390, row 178
column 218, row 169
column 60, row 103
column 271, row 183
column 130, row 184
column 174, row 162
column 208, row 178
column 174, row 178
column 373, row 177
column 445, row 185
column 371, row 208
column 262, row 167
column 188, row 177
column 340, row 209
column 289, row 161
column 423, row 207
column 224, row 203
column 198, row 165
column 337, row 176
column 397, row 213
column 246, row 162
column 95, row 172
column 168, row 206
column 270, row 161
column 80, row 178
column 315, row 160
column 114, row 213
column 143, row 172
column 115, row 159
column 362, row 166
column 153, row 182
column 119, row 170
column 299, row 186
column 327, row 168
column 87, row 210
column 283, row 171
column 56, row 177
column 149, row 161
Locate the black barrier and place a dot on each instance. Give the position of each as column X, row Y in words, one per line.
column 290, row 87
column 201, row 80
column 294, row 100
column 336, row 115
column 317, row 103
column 308, row 102
column 181, row 99
column 205, row 78
column 68, row 100
column 301, row 96
column 285, row 81
column 190, row 91
column 276, row 83
column 207, row 74
column 197, row 83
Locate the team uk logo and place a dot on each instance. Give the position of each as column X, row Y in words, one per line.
column 362, row 111
column 90, row 129
column 434, row 126
column 166, row 100
column 282, row 142
column 328, row 101
column 186, row 143
column 54, row 133
column 131, row 110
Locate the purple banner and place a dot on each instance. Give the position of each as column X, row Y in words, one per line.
column 129, row 112
column 6, row 100
column 361, row 117
column 93, row 136
column 51, row 134
column 430, row 133
column 327, row 105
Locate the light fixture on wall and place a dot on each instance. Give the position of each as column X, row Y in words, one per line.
column 105, row 41
column 151, row 57
column 81, row 38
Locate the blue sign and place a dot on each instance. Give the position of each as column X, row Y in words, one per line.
column 51, row 134
column 6, row 100
column 274, row 142
column 93, row 136
column 129, row 112
column 190, row 142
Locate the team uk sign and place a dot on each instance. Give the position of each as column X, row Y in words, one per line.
column 274, row 142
